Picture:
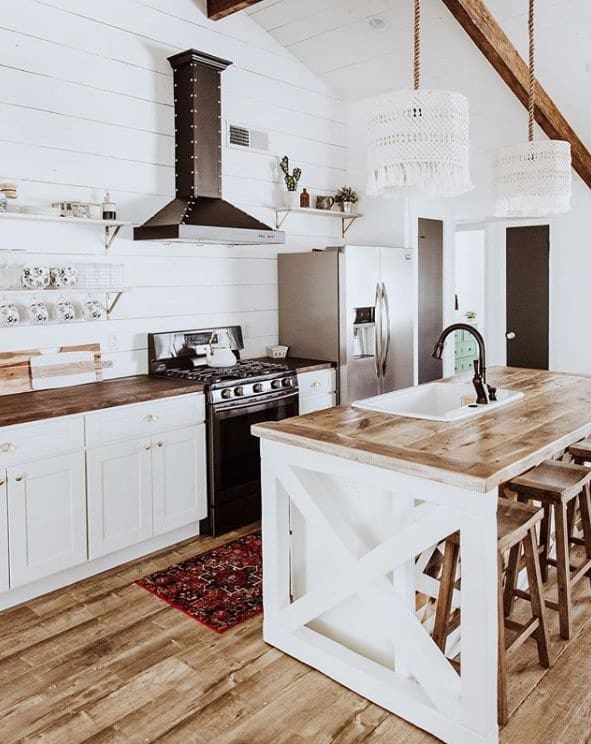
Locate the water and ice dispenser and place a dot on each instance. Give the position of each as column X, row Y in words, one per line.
column 364, row 334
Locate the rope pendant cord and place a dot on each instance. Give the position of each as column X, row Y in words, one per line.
column 532, row 72
column 417, row 45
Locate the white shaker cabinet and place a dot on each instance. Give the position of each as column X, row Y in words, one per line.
column 46, row 517
column 119, row 495
column 3, row 532
column 317, row 390
column 178, row 473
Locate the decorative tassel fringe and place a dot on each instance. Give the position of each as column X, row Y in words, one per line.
column 425, row 180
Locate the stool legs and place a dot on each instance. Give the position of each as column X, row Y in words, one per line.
column 563, row 570
column 534, row 577
column 506, row 593
column 502, row 700
column 444, row 601
column 545, row 540
column 585, row 503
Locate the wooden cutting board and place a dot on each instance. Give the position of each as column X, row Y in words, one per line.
column 15, row 368
column 50, row 371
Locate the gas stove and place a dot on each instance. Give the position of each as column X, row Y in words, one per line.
column 181, row 355
column 247, row 393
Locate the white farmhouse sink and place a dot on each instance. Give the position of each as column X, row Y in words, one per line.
column 436, row 401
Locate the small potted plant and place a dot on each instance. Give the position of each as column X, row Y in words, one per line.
column 291, row 182
column 346, row 198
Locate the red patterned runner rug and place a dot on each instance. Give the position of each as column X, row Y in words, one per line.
column 220, row 588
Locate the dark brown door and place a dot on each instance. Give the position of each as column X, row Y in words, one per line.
column 528, row 279
column 430, row 296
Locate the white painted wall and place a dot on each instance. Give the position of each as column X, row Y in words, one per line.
column 86, row 104
column 470, row 246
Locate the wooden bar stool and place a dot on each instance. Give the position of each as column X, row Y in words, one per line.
column 558, row 485
column 516, row 526
column 581, row 452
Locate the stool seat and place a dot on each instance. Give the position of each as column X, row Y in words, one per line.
column 514, row 521
column 560, row 481
column 581, row 451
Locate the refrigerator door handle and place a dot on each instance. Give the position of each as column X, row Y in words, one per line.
column 378, row 332
column 387, row 339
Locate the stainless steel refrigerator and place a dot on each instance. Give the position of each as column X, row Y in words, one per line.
column 354, row 305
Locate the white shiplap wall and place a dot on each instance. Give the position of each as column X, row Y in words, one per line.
column 86, row 104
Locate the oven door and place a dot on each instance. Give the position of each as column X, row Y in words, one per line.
column 234, row 466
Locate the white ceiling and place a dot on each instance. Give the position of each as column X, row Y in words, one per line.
column 333, row 38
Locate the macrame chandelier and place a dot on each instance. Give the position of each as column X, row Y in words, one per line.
column 533, row 179
column 418, row 141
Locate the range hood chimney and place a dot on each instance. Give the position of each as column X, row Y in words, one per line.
column 198, row 214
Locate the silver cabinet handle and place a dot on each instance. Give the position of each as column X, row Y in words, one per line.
column 160, row 444
column 7, row 447
column 147, row 447
column 150, row 418
column 19, row 478
column 510, row 335
column 2, row 481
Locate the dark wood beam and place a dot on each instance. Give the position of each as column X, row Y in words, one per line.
column 217, row 9
column 479, row 23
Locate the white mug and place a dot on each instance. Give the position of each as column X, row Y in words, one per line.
column 9, row 314
column 38, row 312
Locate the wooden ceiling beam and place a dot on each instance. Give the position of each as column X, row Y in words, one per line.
column 217, row 9
column 479, row 23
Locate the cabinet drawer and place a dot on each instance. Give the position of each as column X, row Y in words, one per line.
column 25, row 442
column 144, row 419
column 311, row 403
column 317, row 383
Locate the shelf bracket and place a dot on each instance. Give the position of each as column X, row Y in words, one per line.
column 280, row 216
column 111, row 232
column 112, row 303
column 347, row 222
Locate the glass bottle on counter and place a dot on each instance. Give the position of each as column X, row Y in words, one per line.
column 304, row 199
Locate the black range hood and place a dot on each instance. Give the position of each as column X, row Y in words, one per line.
column 198, row 214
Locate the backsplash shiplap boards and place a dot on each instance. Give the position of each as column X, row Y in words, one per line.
column 86, row 103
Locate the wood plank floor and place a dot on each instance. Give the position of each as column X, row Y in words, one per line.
column 105, row 661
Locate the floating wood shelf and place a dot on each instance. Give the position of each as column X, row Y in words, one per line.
column 111, row 228
column 347, row 219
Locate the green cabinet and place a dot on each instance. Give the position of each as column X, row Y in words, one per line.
column 466, row 351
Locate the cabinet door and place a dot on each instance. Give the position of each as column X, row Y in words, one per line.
column 46, row 517
column 119, row 495
column 3, row 533
column 180, row 493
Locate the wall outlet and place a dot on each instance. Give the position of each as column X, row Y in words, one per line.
column 114, row 343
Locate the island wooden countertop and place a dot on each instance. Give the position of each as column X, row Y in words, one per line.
column 43, row 404
column 478, row 454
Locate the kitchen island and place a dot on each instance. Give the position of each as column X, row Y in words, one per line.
column 355, row 505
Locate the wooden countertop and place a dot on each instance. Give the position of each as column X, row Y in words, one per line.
column 43, row 404
column 477, row 454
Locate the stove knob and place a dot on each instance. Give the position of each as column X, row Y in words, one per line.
column 227, row 393
column 276, row 384
column 239, row 390
column 257, row 387
column 287, row 382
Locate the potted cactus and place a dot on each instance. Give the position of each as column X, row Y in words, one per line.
column 346, row 197
column 291, row 182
